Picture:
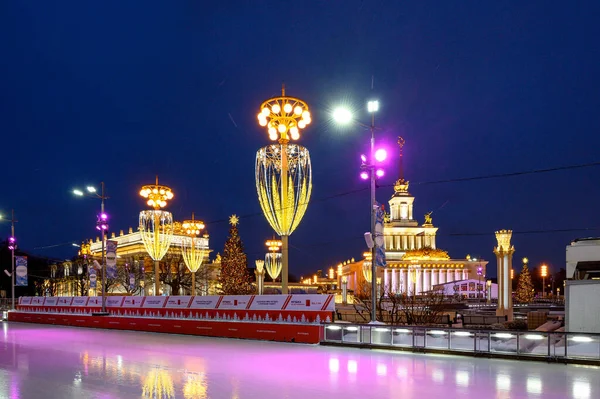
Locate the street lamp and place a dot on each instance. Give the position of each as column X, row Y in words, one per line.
column 544, row 272
column 283, row 171
column 156, row 225
column 102, row 225
column 479, row 274
column 191, row 250
column 12, row 245
column 273, row 258
column 369, row 170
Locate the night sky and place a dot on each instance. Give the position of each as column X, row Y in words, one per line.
column 120, row 91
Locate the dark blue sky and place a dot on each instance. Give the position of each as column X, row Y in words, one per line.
column 122, row 90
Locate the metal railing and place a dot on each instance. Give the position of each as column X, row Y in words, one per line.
column 555, row 346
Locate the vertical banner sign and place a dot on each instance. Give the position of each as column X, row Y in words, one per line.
column 379, row 243
column 131, row 281
column 21, row 271
column 111, row 259
column 93, row 276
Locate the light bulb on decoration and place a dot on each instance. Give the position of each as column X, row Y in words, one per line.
column 364, row 175
column 301, row 124
column 363, row 158
column 283, row 114
column 295, row 135
column 287, row 108
column 273, row 136
column 282, row 128
column 379, row 173
column 380, row 155
column 262, row 122
column 298, row 110
column 157, row 195
column 265, row 112
column 275, row 108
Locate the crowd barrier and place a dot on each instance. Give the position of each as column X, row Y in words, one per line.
column 257, row 308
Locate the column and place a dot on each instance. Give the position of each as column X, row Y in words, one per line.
column 404, row 281
column 419, row 281
column 504, row 252
column 394, row 287
column 465, row 274
column 386, row 281
column 409, row 282
column 434, row 277
column 433, row 242
column 427, row 280
column 457, row 274
column 442, row 275
column 450, row 275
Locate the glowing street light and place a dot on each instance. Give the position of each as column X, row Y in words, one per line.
column 283, row 171
column 273, row 263
column 369, row 169
column 191, row 250
column 544, row 273
column 156, row 225
column 102, row 225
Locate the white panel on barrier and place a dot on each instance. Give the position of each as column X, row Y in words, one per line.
column 114, row 301
column 235, row 302
column 25, row 300
column 269, row 302
column 205, row 302
column 51, row 301
column 94, row 302
column 37, row 301
column 178, row 302
column 311, row 302
column 64, row 301
column 154, row 302
column 133, row 302
column 80, row 301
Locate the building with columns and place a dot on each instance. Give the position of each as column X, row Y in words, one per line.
column 415, row 264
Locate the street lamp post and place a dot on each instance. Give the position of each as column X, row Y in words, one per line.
column 283, row 172
column 479, row 274
column 102, row 225
column 370, row 171
column 192, row 255
column 544, row 271
column 12, row 245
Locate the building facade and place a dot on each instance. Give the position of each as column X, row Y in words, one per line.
column 415, row 264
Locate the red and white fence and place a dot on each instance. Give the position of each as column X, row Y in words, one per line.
column 249, row 308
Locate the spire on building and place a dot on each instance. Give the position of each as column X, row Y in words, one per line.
column 401, row 185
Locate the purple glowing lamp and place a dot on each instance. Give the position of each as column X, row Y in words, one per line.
column 380, row 155
column 363, row 158
column 11, row 243
column 379, row 173
column 364, row 175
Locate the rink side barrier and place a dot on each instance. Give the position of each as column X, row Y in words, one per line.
column 286, row 318
column 567, row 347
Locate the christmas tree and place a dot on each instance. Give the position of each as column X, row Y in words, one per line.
column 234, row 278
column 525, row 287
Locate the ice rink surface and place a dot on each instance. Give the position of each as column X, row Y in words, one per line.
column 38, row 361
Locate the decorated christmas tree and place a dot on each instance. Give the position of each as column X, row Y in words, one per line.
column 234, row 278
column 525, row 286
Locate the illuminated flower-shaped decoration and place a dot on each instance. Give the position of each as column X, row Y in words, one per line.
column 284, row 117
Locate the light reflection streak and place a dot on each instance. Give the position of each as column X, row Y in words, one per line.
column 582, row 390
column 462, row 378
column 534, row 385
column 503, row 382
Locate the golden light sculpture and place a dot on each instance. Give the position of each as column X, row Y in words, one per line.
column 158, row 384
column 260, row 276
column 283, row 171
column 273, row 258
column 366, row 267
column 191, row 247
column 156, row 225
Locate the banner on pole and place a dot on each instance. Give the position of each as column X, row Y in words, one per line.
column 131, row 281
column 93, row 276
column 111, row 259
column 21, row 271
column 379, row 243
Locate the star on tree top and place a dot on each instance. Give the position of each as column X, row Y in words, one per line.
column 234, row 220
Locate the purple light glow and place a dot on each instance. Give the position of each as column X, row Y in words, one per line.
column 363, row 158
column 379, row 173
column 380, row 155
column 103, row 216
column 364, row 175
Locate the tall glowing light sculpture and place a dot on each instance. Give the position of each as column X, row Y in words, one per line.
column 193, row 254
column 156, row 226
column 367, row 269
column 260, row 276
column 273, row 258
column 283, row 171
column 504, row 254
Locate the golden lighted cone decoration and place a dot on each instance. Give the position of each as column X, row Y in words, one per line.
column 158, row 384
column 191, row 249
column 366, row 267
column 156, row 226
column 283, row 171
column 504, row 254
column 260, row 276
column 273, row 258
